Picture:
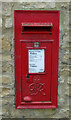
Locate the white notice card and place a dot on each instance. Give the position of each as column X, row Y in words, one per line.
column 36, row 60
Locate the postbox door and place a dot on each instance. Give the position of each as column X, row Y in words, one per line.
column 36, row 71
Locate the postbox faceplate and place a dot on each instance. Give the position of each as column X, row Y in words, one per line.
column 36, row 58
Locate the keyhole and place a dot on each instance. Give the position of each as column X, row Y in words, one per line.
column 27, row 77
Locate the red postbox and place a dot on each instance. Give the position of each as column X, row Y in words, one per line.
column 36, row 58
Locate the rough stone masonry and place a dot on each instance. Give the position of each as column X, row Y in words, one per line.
column 8, row 79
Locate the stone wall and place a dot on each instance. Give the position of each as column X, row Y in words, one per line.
column 8, row 80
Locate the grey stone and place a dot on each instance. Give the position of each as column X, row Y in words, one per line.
column 69, row 80
column 0, row 9
column 59, row 90
column 8, row 23
column 61, row 34
column 61, row 79
column 6, row 8
column 0, row 22
column 61, row 102
column 67, row 91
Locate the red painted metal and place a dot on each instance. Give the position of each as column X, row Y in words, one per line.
column 36, row 90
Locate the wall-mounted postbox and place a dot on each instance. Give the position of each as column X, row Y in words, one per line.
column 36, row 58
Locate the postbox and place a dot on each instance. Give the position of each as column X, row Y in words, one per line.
column 36, row 58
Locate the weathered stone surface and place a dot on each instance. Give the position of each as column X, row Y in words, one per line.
column 6, row 44
column 61, row 114
column 0, row 58
column 67, row 91
column 61, row 102
column 62, row 5
column 1, row 9
column 65, row 42
column 0, row 88
column 39, row 5
column 7, row 67
column 1, row 113
column 6, row 58
column 51, row 4
column 47, row 5
column 0, row 22
column 61, row 80
column 70, row 17
column 69, row 80
column 7, row 100
column 5, row 92
column 8, row 23
column 6, row 9
column 64, row 66
column 59, row 90
column 5, row 79
column 0, row 46
column 5, row 110
column 0, row 67
column 65, row 58
column 64, row 72
column 69, row 55
column 27, row 113
column 64, row 112
column 1, row 79
column 64, row 19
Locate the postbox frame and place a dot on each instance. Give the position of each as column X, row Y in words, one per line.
column 18, row 77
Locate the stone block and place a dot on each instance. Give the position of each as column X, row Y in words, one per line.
column 69, row 80
column 5, row 92
column 62, row 5
column 65, row 58
column 6, row 58
column 1, row 79
column 64, row 112
column 67, row 92
column 7, row 67
column 0, row 88
column 0, row 22
column 51, row 4
column 0, row 58
column 7, row 100
column 6, row 47
column 61, row 102
column 6, row 8
column 0, row 46
column 64, row 21
column 47, row 5
column 0, row 9
column 8, row 23
column 5, row 79
column 64, row 72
